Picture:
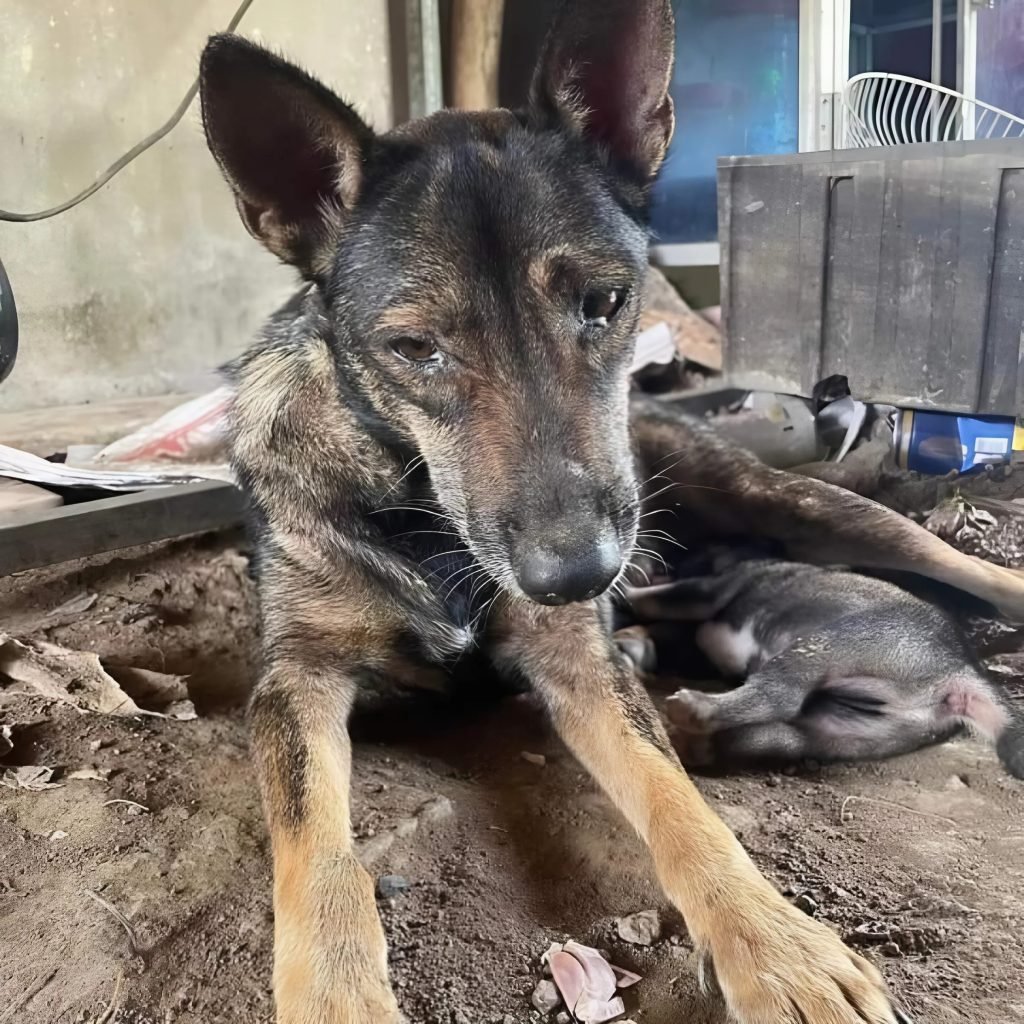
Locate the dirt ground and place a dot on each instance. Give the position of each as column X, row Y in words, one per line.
column 919, row 860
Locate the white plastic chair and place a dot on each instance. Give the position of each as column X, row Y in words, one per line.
column 884, row 109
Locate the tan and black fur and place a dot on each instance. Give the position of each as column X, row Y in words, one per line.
column 434, row 438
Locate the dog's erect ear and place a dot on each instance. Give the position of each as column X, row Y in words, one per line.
column 604, row 73
column 290, row 149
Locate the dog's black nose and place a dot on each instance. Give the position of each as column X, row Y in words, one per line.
column 553, row 573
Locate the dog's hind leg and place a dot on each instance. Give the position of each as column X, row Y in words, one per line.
column 694, row 472
column 775, row 965
column 330, row 960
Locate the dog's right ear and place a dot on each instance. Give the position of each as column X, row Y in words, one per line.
column 291, row 151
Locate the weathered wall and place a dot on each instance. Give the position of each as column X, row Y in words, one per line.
column 153, row 281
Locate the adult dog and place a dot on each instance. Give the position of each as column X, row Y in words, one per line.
column 434, row 436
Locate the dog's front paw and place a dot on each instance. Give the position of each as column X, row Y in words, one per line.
column 338, row 1007
column 775, row 965
column 330, row 958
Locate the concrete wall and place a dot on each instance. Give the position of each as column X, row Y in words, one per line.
column 153, row 281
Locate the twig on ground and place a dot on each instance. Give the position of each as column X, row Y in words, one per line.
column 115, row 1000
column 130, row 803
column 118, row 916
column 34, row 990
column 843, row 819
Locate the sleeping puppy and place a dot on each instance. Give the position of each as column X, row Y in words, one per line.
column 835, row 666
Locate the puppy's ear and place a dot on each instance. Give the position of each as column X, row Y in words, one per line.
column 604, row 74
column 290, row 149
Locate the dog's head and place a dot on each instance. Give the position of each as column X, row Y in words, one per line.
column 483, row 272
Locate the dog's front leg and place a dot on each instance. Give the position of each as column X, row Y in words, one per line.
column 330, row 959
column 775, row 965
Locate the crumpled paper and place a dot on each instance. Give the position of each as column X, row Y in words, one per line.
column 587, row 982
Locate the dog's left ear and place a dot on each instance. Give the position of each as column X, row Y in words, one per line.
column 604, row 74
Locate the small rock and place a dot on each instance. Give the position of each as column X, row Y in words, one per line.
column 545, row 996
column 890, row 949
column 436, row 810
column 369, row 851
column 956, row 782
column 806, row 904
column 58, row 835
column 642, row 929
column 563, row 1018
column 458, row 1017
column 389, row 886
column 405, row 827
column 538, row 759
column 871, row 933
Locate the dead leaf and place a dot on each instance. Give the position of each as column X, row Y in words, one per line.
column 157, row 690
column 33, row 777
column 80, row 679
column 76, row 606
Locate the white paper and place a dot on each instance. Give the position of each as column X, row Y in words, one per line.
column 655, row 345
column 19, row 465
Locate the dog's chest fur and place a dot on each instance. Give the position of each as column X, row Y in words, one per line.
column 326, row 489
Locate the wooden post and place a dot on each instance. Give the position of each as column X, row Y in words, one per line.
column 476, row 51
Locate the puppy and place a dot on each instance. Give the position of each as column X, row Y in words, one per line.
column 836, row 666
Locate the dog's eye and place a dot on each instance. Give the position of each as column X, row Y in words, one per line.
column 416, row 350
column 601, row 304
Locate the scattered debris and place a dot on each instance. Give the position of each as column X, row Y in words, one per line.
column 90, row 773
column 32, row 777
column 545, row 996
column 194, row 432
column 696, row 338
column 57, row 835
column 538, row 759
column 133, row 807
column 389, row 886
column 806, row 903
column 81, row 679
column 585, row 981
column 6, row 743
column 897, row 941
column 957, row 519
column 641, row 929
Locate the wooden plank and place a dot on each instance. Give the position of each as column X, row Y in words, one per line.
column 977, row 181
column 1000, row 374
column 476, row 52
column 812, row 271
column 94, row 527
